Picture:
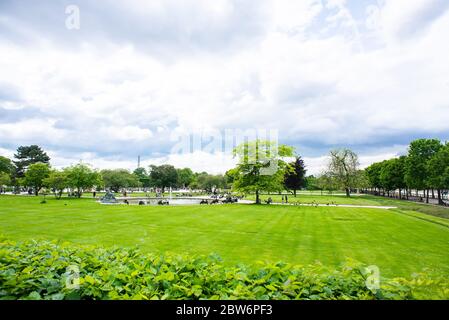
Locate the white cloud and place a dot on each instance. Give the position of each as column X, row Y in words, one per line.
column 402, row 19
column 294, row 16
column 107, row 98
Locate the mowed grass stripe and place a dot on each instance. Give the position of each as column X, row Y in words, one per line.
column 399, row 244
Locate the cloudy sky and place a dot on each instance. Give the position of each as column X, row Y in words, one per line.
column 138, row 75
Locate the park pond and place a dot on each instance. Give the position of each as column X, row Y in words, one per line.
column 160, row 201
column 145, row 201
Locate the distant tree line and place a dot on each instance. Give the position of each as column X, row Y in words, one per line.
column 165, row 176
column 31, row 170
column 423, row 171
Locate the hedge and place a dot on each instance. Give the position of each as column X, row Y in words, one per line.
column 41, row 270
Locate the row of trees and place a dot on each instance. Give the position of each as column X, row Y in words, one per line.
column 425, row 168
column 257, row 159
column 31, row 169
column 166, row 175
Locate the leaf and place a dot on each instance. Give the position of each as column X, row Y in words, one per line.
column 34, row 296
column 89, row 279
column 135, row 273
column 57, row 296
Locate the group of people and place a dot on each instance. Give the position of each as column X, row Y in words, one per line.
column 284, row 200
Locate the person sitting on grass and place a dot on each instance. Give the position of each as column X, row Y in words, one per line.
column 269, row 201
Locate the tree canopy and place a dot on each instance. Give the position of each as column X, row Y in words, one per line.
column 185, row 177
column 420, row 151
column 26, row 156
column 163, row 176
column 57, row 181
column 143, row 177
column 261, row 166
column 35, row 176
column 392, row 174
column 295, row 175
column 343, row 168
column 82, row 177
column 117, row 179
column 438, row 170
column 6, row 165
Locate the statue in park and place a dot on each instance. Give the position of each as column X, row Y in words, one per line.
column 108, row 198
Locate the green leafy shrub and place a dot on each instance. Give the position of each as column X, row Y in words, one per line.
column 42, row 270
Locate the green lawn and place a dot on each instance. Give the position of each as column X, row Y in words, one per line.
column 399, row 242
column 364, row 200
column 322, row 199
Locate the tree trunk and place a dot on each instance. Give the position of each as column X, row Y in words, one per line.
column 427, row 195
column 294, row 192
column 257, row 197
column 440, row 200
column 433, row 193
column 36, row 192
column 348, row 193
column 400, row 193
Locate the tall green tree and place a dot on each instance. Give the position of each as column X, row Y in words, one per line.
column 327, row 181
column 392, row 174
column 5, row 180
column 312, row 183
column 57, row 181
column 230, row 176
column 295, row 175
column 438, row 171
column 117, row 179
column 28, row 155
column 143, row 177
column 82, row 177
column 6, row 171
column 373, row 174
column 163, row 176
column 261, row 166
column 343, row 167
column 362, row 181
column 6, row 165
column 416, row 165
column 35, row 176
column 185, row 177
column 208, row 182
